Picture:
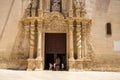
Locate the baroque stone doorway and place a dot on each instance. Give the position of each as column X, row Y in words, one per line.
column 55, row 47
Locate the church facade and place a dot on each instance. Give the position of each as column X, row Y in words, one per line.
column 67, row 31
column 51, row 29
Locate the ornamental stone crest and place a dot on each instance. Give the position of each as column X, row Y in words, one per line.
column 55, row 23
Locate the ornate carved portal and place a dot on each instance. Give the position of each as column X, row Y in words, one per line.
column 32, row 39
column 56, row 24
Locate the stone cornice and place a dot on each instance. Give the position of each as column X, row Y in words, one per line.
column 29, row 19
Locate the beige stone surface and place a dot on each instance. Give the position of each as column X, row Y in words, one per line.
column 57, row 75
column 106, row 11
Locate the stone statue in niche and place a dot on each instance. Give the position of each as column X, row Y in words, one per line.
column 34, row 3
column 56, row 5
column 80, row 9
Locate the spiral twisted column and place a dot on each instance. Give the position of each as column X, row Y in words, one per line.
column 32, row 39
column 31, row 63
column 79, row 41
column 26, row 39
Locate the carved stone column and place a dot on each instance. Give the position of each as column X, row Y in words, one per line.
column 40, row 4
column 71, row 9
column 39, row 51
column 79, row 41
column 26, row 39
column 77, row 13
column 31, row 62
column 80, row 61
column 40, row 8
column 48, row 5
column 84, row 40
column 71, row 49
column 32, row 39
column 33, row 11
column 27, row 12
column 47, row 9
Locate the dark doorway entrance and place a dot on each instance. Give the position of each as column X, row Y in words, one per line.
column 55, row 47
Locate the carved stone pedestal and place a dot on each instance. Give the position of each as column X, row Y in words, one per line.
column 79, row 64
column 38, row 64
column 87, row 64
column 31, row 64
column 71, row 65
column 83, row 64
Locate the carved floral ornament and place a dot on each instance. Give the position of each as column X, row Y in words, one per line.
column 55, row 22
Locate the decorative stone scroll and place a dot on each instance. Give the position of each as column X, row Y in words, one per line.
column 55, row 23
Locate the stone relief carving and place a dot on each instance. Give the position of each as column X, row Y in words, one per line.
column 79, row 8
column 56, row 5
column 55, row 22
column 90, row 51
column 34, row 3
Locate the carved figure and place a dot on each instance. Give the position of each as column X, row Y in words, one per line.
column 56, row 5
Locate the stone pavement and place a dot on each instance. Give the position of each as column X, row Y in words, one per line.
column 57, row 75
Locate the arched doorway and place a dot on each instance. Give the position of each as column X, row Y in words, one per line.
column 55, row 47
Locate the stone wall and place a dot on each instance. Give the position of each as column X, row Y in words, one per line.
column 105, row 57
column 10, row 15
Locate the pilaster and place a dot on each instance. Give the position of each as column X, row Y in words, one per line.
column 33, row 11
column 39, row 50
column 40, row 10
column 84, row 40
column 71, row 49
column 48, row 5
column 33, row 8
column 71, row 9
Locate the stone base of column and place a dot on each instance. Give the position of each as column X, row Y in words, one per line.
column 82, row 64
column 71, row 65
column 79, row 64
column 31, row 64
column 87, row 64
column 38, row 64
